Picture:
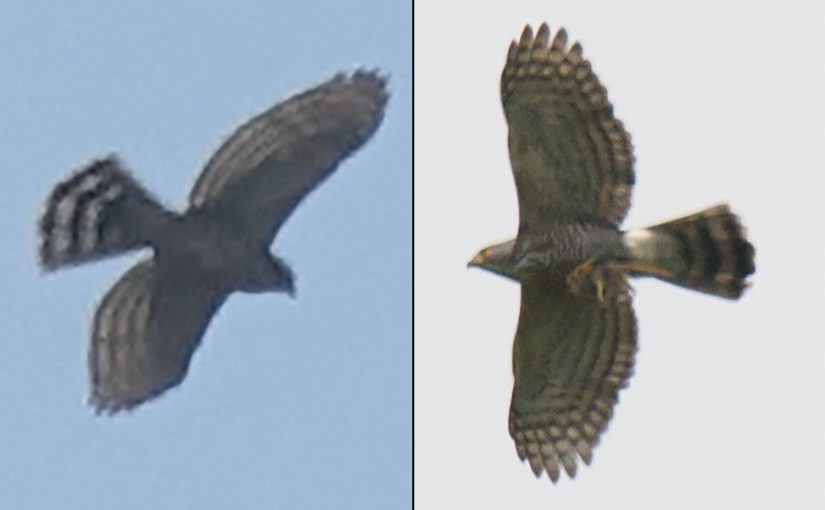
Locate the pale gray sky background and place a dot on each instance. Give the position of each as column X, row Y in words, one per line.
column 724, row 101
column 288, row 404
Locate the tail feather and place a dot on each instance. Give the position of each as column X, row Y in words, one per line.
column 97, row 212
column 706, row 251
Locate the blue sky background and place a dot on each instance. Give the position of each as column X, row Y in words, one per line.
column 291, row 404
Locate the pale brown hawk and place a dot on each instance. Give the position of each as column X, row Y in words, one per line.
column 573, row 167
column 149, row 324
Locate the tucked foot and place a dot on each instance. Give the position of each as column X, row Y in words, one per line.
column 597, row 277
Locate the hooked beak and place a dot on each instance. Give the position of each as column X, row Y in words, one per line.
column 477, row 261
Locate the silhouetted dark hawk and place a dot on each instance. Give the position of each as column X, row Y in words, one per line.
column 150, row 323
column 573, row 166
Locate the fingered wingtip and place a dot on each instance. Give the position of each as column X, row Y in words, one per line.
column 374, row 74
column 102, row 406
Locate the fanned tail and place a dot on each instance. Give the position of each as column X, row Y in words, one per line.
column 706, row 251
column 97, row 212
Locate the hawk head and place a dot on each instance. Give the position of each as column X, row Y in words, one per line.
column 271, row 274
column 496, row 259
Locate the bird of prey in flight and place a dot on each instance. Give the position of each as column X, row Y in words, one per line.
column 576, row 337
column 149, row 324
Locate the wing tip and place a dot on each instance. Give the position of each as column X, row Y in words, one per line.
column 363, row 74
column 375, row 78
column 372, row 81
column 103, row 406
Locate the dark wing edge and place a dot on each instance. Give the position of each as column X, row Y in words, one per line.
column 264, row 170
column 571, row 157
column 145, row 332
column 571, row 357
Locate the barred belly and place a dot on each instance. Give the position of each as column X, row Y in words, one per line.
column 556, row 248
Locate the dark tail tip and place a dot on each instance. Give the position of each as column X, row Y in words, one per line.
column 716, row 256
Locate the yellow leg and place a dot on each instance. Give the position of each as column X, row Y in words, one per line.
column 606, row 277
column 588, row 271
column 582, row 269
column 630, row 267
column 598, row 281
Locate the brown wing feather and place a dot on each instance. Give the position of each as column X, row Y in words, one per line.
column 263, row 170
column 570, row 358
column 144, row 335
column 571, row 158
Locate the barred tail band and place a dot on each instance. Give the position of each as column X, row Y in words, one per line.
column 99, row 211
column 706, row 251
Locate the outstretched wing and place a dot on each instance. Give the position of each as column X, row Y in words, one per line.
column 571, row 159
column 261, row 173
column 571, row 357
column 144, row 334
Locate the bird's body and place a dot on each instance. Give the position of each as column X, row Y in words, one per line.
column 572, row 162
column 221, row 255
column 556, row 249
column 151, row 321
